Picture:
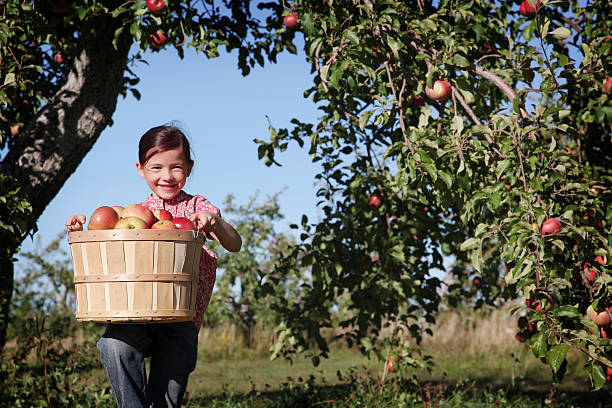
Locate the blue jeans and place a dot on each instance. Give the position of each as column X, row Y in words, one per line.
column 173, row 351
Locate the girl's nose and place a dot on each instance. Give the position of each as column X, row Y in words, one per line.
column 166, row 175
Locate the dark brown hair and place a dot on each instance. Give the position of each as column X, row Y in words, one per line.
column 161, row 139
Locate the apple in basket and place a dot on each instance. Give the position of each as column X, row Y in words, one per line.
column 164, row 224
column 104, row 217
column 162, row 215
column 131, row 222
column 183, row 223
column 118, row 208
column 137, row 210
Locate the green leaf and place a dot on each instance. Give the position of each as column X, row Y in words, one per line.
column 307, row 25
column 556, row 355
column 470, row 243
column 460, row 61
column 539, row 346
column 561, row 33
column 598, row 376
column 363, row 119
column 566, row 311
column 351, row 36
column 10, row 78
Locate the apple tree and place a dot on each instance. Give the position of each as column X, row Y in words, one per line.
column 64, row 64
column 470, row 130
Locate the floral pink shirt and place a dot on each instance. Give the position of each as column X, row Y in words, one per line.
column 183, row 205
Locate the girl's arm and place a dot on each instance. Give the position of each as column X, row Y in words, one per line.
column 221, row 230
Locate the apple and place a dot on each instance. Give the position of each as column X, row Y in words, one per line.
column 608, row 85
column 606, row 332
column 418, row 101
column 390, row 364
column 440, row 92
column 58, row 57
column 600, row 318
column 523, row 322
column 103, row 218
column 590, row 274
column 375, row 200
column 119, row 209
column 158, row 39
column 477, row 281
column 155, row 6
column 528, row 10
column 608, row 373
column 540, row 305
column 521, row 337
column 131, row 222
column 14, row 129
column 61, row 6
column 601, row 260
column 183, row 223
column 164, row 224
column 162, row 215
column 290, row 20
column 137, row 210
column 551, row 226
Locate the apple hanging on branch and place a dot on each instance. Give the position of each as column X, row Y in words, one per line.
column 528, row 10
column 552, row 226
column 374, row 200
column 155, row 6
column 158, row 39
column 290, row 20
column 440, row 92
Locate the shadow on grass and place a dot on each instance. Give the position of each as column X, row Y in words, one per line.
column 430, row 394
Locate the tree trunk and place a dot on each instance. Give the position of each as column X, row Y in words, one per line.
column 51, row 147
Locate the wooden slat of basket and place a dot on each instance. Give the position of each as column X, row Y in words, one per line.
column 116, row 265
column 144, row 261
column 165, row 262
column 150, row 277
column 95, row 291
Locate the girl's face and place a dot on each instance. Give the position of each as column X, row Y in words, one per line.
column 166, row 173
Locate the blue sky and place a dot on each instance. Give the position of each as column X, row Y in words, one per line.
column 222, row 112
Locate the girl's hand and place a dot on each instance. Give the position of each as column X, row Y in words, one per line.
column 75, row 223
column 219, row 229
column 205, row 221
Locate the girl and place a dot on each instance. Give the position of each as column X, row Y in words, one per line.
column 164, row 161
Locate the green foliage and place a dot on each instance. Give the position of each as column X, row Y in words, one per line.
column 248, row 279
column 48, row 350
column 524, row 137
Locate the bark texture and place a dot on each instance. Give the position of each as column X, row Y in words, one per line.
column 51, row 147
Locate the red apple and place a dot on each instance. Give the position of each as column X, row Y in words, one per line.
column 601, row 260
column 608, row 373
column 551, row 226
column 61, row 6
column 418, row 101
column 542, row 305
column 608, row 85
column 477, row 281
column 290, row 20
column 58, row 57
column 103, row 218
column 162, row 215
column 528, row 10
column 155, row 5
column 131, row 222
column 605, row 332
column 590, row 274
column 137, row 210
column 158, row 39
column 14, row 129
column 375, row 200
column 183, row 223
column 164, row 224
column 521, row 337
column 523, row 322
column 440, row 92
column 599, row 318
column 119, row 209
column 390, row 365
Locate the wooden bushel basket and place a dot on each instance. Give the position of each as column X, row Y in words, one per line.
column 135, row 275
